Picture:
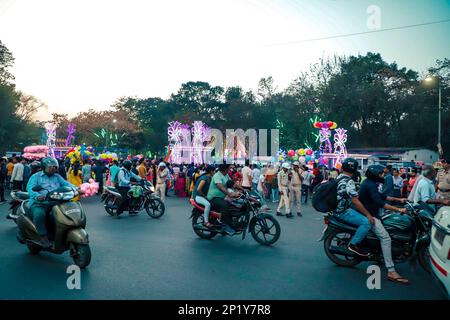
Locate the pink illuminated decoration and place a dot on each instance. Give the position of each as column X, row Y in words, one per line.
column 340, row 150
column 51, row 138
column 325, row 143
column 71, row 129
column 182, row 147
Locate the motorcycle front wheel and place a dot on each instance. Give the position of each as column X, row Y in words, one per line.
column 81, row 254
column 339, row 239
column 265, row 230
column 155, row 208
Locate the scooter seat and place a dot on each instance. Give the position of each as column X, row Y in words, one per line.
column 21, row 195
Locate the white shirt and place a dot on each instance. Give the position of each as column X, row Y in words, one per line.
column 246, row 177
column 255, row 175
column 307, row 176
column 17, row 174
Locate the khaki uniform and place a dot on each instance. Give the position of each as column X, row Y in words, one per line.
column 443, row 183
column 161, row 180
column 283, row 186
column 295, row 189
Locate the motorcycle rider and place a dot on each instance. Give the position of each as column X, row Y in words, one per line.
column 216, row 196
column 349, row 207
column 124, row 183
column 374, row 201
column 49, row 180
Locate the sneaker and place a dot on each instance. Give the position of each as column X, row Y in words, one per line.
column 279, row 214
column 230, row 231
column 358, row 251
column 299, row 214
column 289, row 215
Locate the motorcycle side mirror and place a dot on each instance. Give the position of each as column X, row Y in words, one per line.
column 37, row 188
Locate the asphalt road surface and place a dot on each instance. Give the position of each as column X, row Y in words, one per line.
column 137, row 257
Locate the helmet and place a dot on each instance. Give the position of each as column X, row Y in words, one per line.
column 349, row 165
column 161, row 164
column 286, row 166
column 49, row 162
column 373, row 173
column 35, row 166
column 127, row 164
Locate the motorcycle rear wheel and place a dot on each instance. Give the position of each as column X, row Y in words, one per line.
column 423, row 255
column 109, row 202
column 333, row 239
column 198, row 219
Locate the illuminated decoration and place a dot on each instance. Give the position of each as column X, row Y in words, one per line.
column 200, row 134
column 340, row 150
column 325, row 135
column 281, row 155
column 182, row 148
column 111, row 139
column 51, row 138
column 71, row 129
column 174, row 137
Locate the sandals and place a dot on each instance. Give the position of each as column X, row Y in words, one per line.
column 400, row 280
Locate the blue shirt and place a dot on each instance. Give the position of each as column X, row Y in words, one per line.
column 124, row 177
column 46, row 182
column 425, row 191
column 371, row 198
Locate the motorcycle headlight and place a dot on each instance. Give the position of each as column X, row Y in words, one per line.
column 152, row 188
column 56, row 196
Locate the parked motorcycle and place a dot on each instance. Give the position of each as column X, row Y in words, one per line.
column 148, row 200
column 17, row 197
column 65, row 224
column 246, row 215
column 410, row 234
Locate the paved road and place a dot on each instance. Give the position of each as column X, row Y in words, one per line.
column 137, row 257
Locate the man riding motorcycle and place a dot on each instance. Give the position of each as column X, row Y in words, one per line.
column 216, row 196
column 48, row 180
column 124, row 183
column 374, row 201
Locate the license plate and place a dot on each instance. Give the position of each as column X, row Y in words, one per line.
column 439, row 236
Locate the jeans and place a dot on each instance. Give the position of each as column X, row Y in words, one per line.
column 255, row 186
column 275, row 194
column 305, row 193
column 385, row 241
column 354, row 217
column 17, row 185
column 203, row 201
column 39, row 212
column 125, row 200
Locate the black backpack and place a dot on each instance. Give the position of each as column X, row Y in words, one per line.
column 325, row 196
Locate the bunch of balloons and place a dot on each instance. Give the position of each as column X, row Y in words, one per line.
column 80, row 154
column 107, row 157
column 325, row 125
column 89, row 189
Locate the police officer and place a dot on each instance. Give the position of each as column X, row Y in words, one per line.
column 443, row 181
column 283, row 187
column 295, row 187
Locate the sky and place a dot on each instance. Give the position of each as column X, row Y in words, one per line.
column 76, row 55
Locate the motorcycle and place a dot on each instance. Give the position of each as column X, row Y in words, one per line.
column 245, row 215
column 147, row 200
column 65, row 224
column 17, row 198
column 410, row 234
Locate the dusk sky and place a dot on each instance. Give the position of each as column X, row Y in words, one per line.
column 76, row 55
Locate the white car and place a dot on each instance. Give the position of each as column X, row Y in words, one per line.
column 440, row 248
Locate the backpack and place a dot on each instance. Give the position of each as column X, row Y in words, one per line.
column 325, row 196
column 116, row 178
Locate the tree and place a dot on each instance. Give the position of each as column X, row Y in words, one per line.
column 6, row 62
column 28, row 107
